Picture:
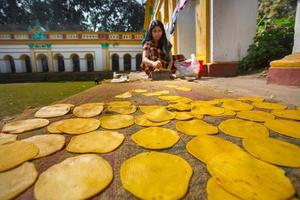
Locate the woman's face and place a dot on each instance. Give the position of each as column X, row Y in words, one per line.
column 156, row 33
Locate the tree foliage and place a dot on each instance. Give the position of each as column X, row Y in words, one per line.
column 62, row 15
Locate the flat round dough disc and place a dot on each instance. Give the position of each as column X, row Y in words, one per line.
column 159, row 115
column 155, row 138
column 183, row 115
column 205, row 147
column 157, row 93
column 284, row 127
column 47, row 144
column 255, row 115
column 147, row 109
column 124, row 95
column 226, row 112
column 298, row 107
column 253, row 99
column 196, row 127
column 180, row 106
column 169, row 98
column 184, row 89
column 88, row 110
column 17, row 180
column 139, row 90
column 125, row 110
column 15, row 153
column 116, row 121
column 237, row 105
column 288, row 114
column 21, row 126
column 95, row 142
column 7, row 138
column 249, row 178
column 142, row 121
column 155, row 175
column 273, row 151
column 207, row 110
column 243, row 129
column 171, row 86
column 216, row 192
column 119, row 103
column 78, row 125
column 182, row 100
column 203, row 103
column 55, row 110
column 52, row 128
column 78, row 177
column 267, row 105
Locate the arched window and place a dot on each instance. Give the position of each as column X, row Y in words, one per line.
column 138, row 59
column 60, row 63
column 127, row 62
column 10, row 63
column 75, row 62
column 115, row 63
column 89, row 62
column 42, row 63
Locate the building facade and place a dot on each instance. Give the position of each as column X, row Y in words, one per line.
column 41, row 51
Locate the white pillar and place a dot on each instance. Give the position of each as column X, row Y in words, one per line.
column 83, row 65
column 18, row 65
column 121, row 63
column 2, row 66
column 68, row 65
column 297, row 30
column 55, row 65
column 133, row 63
column 233, row 27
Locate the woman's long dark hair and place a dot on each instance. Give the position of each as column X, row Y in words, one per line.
column 163, row 43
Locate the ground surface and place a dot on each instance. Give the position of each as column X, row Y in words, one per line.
column 205, row 89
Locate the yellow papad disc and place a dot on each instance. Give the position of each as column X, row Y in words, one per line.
column 139, row 90
column 88, row 110
column 243, row 129
column 147, row 109
column 155, row 138
column 237, row 105
column 183, row 115
column 255, row 115
column 157, row 93
column 267, row 105
column 96, row 142
column 273, row 151
column 249, row 178
column 284, row 127
column 182, row 100
column 7, row 138
column 171, row 86
column 207, row 110
column 15, row 153
column 180, row 106
column 253, row 99
column 222, row 100
column 47, row 143
column 196, row 127
column 55, row 110
column 169, row 98
column 78, row 125
column 288, row 114
column 298, row 107
column 226, row 112
column 155, row 175
column 52, row 128
column 142, row 121
column 216, row 192
column 122, row 109
column 119, row 103
column 205, row 147
column 17, row 180
column 78, row 177
column 159, row 115
column 21, row 126
column 203, row 103
column 184, row 89
column 124, row 95
column 116, row 121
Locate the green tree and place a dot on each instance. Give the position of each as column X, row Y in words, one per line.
column 275, row 9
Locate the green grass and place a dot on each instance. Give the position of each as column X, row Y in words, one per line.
column 14, row 98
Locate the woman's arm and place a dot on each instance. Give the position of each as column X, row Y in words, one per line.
column 170, row 62
column 146, row 60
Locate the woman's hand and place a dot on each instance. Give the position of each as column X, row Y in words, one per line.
column 157, row 64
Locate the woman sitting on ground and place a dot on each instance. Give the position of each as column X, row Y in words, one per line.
column 156, row 49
